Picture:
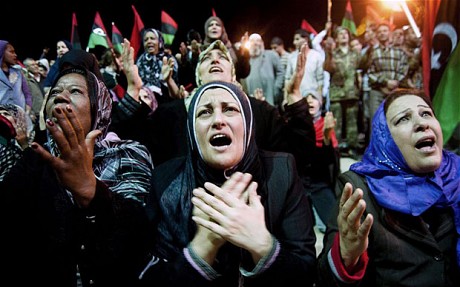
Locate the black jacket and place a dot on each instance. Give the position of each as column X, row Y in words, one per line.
column 403, row 250
column 45, row 236
column 288, row 217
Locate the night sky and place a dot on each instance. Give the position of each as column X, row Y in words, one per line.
column 30, row 27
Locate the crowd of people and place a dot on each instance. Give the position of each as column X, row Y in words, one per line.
column 216, row 166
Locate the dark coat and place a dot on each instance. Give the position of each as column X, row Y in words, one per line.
column 288, row 217
column 403, row 250
column 45, row 236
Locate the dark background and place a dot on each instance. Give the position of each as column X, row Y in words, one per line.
column 31, row 27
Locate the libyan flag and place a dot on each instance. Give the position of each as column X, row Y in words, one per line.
column 137, row 32
column 168, row 27
column 98, row 34
column 347, row 21
column 117, row 39
column 444, row 83
column 74, row 37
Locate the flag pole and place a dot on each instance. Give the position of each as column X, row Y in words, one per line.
column 329, row 17
column 411, row 19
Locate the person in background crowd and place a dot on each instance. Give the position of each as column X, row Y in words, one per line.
column 146, row 96
column 342, row 64
column 325, row 167
column 266, row 72
column 62, row 47
column 35, row 83
column 398, row 219
column 9, row 149
column 388, row 68
column 214, row 29
column 13, row 83
column 150, row 64
column 24, row 129
column 313, row 79
column 112, row 72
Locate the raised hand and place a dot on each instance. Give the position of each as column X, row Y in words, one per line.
column 167, row 68
column 74, row 165
column 293, row 86
column 131, row 71
column 354, row 234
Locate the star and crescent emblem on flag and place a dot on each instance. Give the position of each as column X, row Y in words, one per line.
column 448, row 30
column 99, row 31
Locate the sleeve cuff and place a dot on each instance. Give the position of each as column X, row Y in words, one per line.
column 347, row 276
column 199, row 264
column 265, row 262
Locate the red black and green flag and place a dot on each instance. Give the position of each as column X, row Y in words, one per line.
column 307, row 27
column 137, row 32
column 117, row 38
column 168, row 28
column 441, row 52
column 74, row 37
column 347, row 20
column 99, row 34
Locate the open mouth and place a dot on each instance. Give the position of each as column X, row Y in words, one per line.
column 220, row 140
column 215, row 69
column 425, row 143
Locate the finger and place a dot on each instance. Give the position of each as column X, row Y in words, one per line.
column 91, row 139
column 210, row 225
column 237, row 183
column 365, row 227
column 75, row 124
column 58, row 136
column 209, row 205
column 165, row 60
column 171, row 62
column 61, row 114
column 44, row 154
column 254, row 198
column 356, row 213
column 346, row 193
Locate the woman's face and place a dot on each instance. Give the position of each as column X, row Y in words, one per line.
column 219, row 129
column 214, row 30
column 151, row 43
column 9, row 116
column 144, row 96
column 61, row 49
column 10, row 57
column 313, row 105
column 416, row 132
column 72, row 90
column 215, row 66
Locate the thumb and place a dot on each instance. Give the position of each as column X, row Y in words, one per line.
column 165, row 60
column 91, row 139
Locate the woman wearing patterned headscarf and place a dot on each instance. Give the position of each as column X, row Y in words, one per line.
column 229, row 214
column 78, row 199
column 151, row 61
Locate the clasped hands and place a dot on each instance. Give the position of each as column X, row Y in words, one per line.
column 230, row 213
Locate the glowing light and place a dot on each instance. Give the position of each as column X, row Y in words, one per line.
column 394, row 5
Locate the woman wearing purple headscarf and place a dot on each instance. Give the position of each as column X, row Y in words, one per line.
column 398, row 219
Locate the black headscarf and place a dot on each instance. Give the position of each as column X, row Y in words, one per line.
column 176, row 226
